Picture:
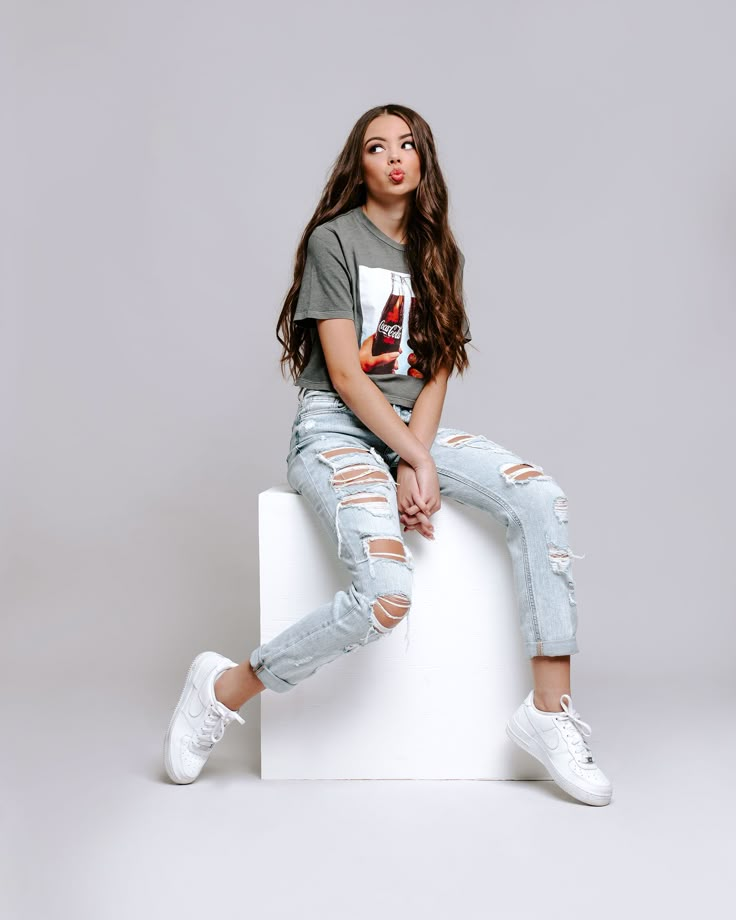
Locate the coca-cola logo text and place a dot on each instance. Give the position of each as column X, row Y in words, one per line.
column 391, row 332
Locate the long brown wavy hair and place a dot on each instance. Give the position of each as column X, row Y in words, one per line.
column 436, row 322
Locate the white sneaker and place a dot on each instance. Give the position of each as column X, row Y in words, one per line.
column 557, row 740
column 199, row 720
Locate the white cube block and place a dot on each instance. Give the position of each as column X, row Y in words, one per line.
column 434, row 710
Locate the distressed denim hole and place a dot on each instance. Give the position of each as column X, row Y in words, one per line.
column 560, row 558
column 359, row 473
column 457, row 439
column 521, row 472
column 339, row 451
column 389, row 548
column 365, row 498
column 386, row 548
column 390, row 607
column 369, row 502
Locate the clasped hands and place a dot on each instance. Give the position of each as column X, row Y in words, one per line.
column 418, row 496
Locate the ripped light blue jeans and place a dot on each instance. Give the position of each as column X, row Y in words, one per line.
column 347, row 474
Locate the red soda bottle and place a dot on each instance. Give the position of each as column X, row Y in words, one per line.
column 390, row 326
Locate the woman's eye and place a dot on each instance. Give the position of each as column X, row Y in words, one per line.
column 374, row 146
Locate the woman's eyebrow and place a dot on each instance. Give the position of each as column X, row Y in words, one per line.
column 401, row 138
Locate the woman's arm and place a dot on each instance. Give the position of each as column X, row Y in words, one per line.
column 425, row 419
column 363, row 397
column 427, row 411
column 360, row 394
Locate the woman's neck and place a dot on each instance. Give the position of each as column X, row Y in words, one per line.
column 393, row 222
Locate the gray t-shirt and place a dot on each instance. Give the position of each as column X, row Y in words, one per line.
column 354, row 270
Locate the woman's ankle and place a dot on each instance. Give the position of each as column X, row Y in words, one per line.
column 235, row 686
column 547, row 701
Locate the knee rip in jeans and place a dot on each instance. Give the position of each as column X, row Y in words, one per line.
column 389, row 609
column 522, row 472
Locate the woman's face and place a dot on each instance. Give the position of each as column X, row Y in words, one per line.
column 391, row 167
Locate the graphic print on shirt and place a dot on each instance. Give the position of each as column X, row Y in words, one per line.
column 386, row 301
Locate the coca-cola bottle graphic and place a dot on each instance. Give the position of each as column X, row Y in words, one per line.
column 390, row 326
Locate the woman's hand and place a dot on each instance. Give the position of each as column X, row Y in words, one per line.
column 370, row 362
column 418, row 496
column 413, row 370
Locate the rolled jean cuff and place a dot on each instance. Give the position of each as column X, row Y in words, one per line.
column 552, row 647
column 268, row 678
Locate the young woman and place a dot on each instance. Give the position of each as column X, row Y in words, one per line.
column 371, row 329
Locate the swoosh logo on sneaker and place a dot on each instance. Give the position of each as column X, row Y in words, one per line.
column 551, row 739
column 196, row 706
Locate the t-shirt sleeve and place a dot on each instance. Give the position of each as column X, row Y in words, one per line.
column 326, row 289
column 467, row 337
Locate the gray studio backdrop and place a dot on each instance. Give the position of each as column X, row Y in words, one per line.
column 161, row 163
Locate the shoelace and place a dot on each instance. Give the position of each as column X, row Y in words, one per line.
column 578, row 730
column 213, row 728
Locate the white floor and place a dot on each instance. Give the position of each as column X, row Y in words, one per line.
column 94, row 829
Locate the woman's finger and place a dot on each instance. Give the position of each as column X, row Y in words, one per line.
column 419, row 519
column 419, row 501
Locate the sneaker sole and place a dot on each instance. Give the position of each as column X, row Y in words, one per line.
column 531, row 747
column 167, row 760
